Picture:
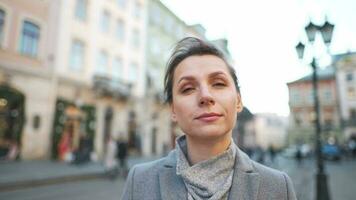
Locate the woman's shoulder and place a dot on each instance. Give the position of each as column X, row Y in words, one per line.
column 272, row 180
column 153, row 167
column 270, row 174
column 265, row 170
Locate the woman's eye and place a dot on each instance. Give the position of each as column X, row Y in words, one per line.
column 186, row 90
column 219, row 84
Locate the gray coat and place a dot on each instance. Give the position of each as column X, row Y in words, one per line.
column 251, row 181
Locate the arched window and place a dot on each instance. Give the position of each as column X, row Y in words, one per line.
column 30, row 39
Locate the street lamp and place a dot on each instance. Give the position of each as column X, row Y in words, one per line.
column 326, row 31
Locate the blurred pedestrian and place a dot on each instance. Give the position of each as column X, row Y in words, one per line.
column 298, row 155
column 202, row 91
column 64, row 146
column 272, row 153
column 13, row 150
column 121, row 155
column 351, row 145
column 110, row 161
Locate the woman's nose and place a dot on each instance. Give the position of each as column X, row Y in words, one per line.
column 206, row 97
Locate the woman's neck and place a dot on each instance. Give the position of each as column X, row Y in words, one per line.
column 200, row 150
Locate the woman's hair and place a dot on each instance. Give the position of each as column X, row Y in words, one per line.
column 191, row 46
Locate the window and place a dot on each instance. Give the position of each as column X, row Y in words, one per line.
column 310, row 96
column 137, row 9
column 105, row 21
column 2, row 25
column 102, row 63
column 155, row 46
column 169, row 25
column 155, row 15
column 133, row 72
column 121, row 3
column 120, row 30
column 351, row 93
column 76, row 56
column 349, row 76
column 117, row 68
column 81, row 10
column 135, row 41
column 30, row 39
column 180, row 31
column 295, row 98
column 327, row 95
column 297, row 117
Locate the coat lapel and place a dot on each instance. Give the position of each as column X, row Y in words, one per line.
column 171, row 186
column 245, row 182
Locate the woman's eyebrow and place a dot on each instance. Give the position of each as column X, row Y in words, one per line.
column 189, row 78
column 217, row 74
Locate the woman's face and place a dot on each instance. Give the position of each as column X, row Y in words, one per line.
column 205, row 100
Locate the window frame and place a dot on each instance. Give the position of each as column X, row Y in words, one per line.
column 100, row 68
column 105, row 26
column 72, row 53
column 77, row 10
column 21, row 49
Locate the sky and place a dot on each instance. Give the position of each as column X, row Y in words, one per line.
column 262, row 37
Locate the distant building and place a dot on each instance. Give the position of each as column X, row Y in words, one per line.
column 89, row 69
column 244, row 134
column 301, row 104
column 80, row 66
column 223, row 45
column 27, row 90
column 271, row 130
column 99, row 59
column 346, row 82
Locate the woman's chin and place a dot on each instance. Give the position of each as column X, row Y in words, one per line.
column 209, row 133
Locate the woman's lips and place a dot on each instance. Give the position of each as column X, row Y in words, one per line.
column 209, row 117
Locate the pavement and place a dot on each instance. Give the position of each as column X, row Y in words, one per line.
column 24, row 174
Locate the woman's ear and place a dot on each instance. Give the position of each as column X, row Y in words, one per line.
column 173, row 114
column 239, row 104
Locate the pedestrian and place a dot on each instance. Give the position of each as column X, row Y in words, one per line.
column 272, row 153
column 122, row 156
column 110, row 162
column 202, row 91
column 298, row 155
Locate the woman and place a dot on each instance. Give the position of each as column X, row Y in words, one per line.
column 202, row 91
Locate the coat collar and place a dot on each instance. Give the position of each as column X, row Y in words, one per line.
column 171, row 186
column 245, row 181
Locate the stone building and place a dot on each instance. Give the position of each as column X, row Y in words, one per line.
column 301, row 104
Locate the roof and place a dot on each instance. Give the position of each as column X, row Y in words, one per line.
column 338, row 57
column 323, row 74
column 328, row 72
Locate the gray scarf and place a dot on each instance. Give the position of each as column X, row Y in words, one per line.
column 207, row 180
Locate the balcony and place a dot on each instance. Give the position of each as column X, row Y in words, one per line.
column 105, row 86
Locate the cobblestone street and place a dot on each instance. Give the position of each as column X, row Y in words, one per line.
column 342, row 176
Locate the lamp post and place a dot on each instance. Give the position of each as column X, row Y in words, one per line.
column 326, row 31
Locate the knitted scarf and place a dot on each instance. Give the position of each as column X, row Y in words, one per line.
column 207, row 180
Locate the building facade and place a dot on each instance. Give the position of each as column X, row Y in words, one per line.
column 271, row 130
column 301, row 104
column 77, row 72
column 346, row 81
column 99, row 67
column 27, row 87
column 79, row 66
